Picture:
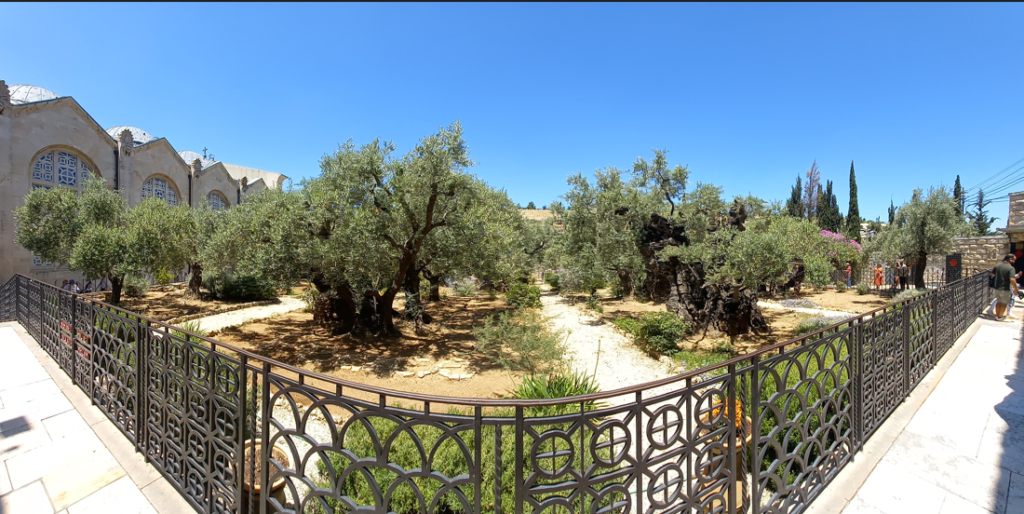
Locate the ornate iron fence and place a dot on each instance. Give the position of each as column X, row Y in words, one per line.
column 761, row 433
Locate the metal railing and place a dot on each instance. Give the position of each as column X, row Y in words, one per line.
column 760, row 433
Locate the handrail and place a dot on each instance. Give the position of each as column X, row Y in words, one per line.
column 512, row 402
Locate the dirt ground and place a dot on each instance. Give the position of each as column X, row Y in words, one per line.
column 443, row 346
column 783, row 324
column 447, row 344
column 168, row 302
column 848, row 301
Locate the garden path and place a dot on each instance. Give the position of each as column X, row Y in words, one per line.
column 822, row 312
column 217, row 322
column 601, row 350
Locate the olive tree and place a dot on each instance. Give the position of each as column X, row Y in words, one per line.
column 86, row 232
column 923, row 226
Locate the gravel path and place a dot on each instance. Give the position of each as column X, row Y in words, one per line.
column 234, row 318
column 597, row 346
column 823, row 312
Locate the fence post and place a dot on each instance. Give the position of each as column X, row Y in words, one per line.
column 520, row 496
column 243, row 413
column 858, row 382
column 754, row 408
column 74, row 338
column 265, row 438
column 905, row 313
column 732, row 435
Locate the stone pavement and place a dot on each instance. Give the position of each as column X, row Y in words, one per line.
column 234, row 318
column 956, row 446
column 58, row 453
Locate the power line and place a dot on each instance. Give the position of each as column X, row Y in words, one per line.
column 995, row 176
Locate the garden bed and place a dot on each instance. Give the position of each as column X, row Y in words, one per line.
column 442, row 352
column 168, row 302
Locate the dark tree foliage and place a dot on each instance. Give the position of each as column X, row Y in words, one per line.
column 853, row 214
column 812, row 191
column 958, row 195
column 531, row 206
column 795, row 204
column 979, row 219
column 829, row 217
column 892, row 212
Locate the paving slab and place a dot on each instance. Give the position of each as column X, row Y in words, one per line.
column 957, row 443
column 60, row 453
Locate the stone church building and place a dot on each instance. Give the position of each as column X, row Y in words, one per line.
column 48, row 141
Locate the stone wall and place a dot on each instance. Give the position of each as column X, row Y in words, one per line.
column 981, row 252
column 1016, row 215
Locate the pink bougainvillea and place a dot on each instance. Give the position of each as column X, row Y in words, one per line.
column 839, row 238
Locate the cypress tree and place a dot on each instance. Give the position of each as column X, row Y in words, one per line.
column 892, row 212
column 853, row 214
column 795, row 204
column 829, row 217
column 958, row 193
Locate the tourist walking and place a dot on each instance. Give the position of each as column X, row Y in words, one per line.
column 902, row 272
column 879, row 277
column 1004, row 276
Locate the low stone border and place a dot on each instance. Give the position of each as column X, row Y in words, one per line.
column 222, row 310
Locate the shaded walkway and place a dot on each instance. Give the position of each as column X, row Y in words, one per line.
column 235, row 318
column 955, row 446
column 58, row 453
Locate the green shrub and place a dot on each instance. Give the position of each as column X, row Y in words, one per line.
column 518, row 340
column 814, row 324
column 241, row 287
column 559, row 384
column 163, row 277
column 551, row 279
column 655, row 332
column 841, row 287
column 135, row 286
column 906, row 295
column 467, row 286
column 594, row 304
column 523, row 295
column 863, row 289
column 191, row 326
column 446, row 457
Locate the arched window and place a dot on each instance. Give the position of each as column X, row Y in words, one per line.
column 60, row 168
column 216, row 201
column 160, row 188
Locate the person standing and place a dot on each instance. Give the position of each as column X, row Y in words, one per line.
column 879, row 276
column 1004, row 275
column 849, row 275
column 903, row 275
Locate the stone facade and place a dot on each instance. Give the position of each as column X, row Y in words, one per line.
column 32, row 127
column 981, row 252
column 1016, row 217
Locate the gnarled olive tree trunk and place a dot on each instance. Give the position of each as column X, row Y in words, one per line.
column 710, row 308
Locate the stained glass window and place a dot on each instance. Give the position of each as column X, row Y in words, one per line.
column 216, row 201
column 59, row 168
column 159, row 188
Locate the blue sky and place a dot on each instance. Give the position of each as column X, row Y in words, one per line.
column 747, row 95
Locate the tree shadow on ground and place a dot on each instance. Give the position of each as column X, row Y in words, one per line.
column 293, row 338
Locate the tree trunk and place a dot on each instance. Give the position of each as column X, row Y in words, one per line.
column 413, row 301
column 115, row 290
column 625, row 283
column 196, row 280
column 435, row 286
column 712, row 308
column 340, row 306
column 922, row 262
column 386, row 313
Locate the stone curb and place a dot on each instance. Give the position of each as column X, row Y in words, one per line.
column 222, row 310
